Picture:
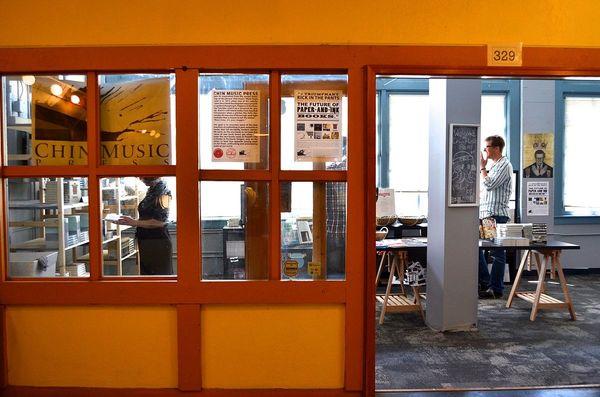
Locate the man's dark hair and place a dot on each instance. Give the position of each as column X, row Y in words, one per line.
column 497, row 141
column 539, row 151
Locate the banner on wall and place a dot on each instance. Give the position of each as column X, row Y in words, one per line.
column 58, row 124
column 538, row 198
column 236, row 125
column 318, row 125
column 538, row 155
column 134, row 122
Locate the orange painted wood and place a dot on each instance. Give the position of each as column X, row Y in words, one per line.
column 131, row 293
column 189, row 347
column 449, row 59
column 188, row 216
column 20, row 391
column 274, row 166
column 45, row 170
column 369, row 238
column 235, row 175
column 93, row 143
column 315, row 175
column 356, row 231
column 4, row 356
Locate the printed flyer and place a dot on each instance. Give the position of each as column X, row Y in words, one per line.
column 236, row 125
column 538, row 198
column 318, row 125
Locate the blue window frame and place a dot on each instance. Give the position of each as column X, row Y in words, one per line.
column 569, row 89
column 387, row 87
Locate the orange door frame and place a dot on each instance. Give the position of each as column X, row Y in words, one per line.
column 363, row 64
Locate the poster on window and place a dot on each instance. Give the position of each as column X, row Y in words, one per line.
column 318, row 125
column 135, row 122
column 538, row 155
column 538, row 198
column 58, row 122
column 235, row 125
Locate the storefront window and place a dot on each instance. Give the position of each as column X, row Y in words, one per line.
column 139, row 226
column 234, row 121
column 314, row 122
column 48, row 227
column 235, row 230
column 313, row 230
column 45, row 119
column 137, row 119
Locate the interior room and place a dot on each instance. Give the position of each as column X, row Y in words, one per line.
column 547, row 125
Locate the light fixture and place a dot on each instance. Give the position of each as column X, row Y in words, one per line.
column 75, row 99
column 28, row 79
column 56, row 90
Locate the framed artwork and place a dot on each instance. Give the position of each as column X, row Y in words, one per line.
column 463, row 167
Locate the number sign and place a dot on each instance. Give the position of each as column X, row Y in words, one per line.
column 505, row 55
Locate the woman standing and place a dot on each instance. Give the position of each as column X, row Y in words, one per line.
column 154, row 244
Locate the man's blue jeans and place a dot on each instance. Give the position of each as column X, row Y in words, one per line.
column 495, row 279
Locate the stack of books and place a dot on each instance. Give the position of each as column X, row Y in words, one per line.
column 76, row 269
column 510, row 234
column 127, row 246
column 539, row 233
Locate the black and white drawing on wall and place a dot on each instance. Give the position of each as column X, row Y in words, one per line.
column 463, row 167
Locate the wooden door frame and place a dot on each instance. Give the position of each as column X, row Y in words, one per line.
column 362, row 63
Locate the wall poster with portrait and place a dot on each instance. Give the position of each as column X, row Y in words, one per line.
column 538, row 155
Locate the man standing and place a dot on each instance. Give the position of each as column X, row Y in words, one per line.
column 495, row 194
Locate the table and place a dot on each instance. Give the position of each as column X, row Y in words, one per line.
column 396, row 252
column 543, row 255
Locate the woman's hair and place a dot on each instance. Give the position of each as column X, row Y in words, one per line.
column 496, row 140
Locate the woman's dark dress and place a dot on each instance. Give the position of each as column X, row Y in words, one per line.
column 155, row 248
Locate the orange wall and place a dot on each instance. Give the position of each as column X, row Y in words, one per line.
column 265, row 346
column 92, row 346
column 113, row 22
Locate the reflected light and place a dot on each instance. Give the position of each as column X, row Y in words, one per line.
column 75, row 99
column 28, row 79
column 56, row 89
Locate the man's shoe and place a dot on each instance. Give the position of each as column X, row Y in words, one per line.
column 490, row 294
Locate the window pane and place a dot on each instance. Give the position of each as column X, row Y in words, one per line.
column 137, row 119
column 409, row 152
column 493, row 116
column 139, row 228
column 48, row 227
column 313, row 230
column 45, row 119
column 582, row 132
column 235, row 230
column 234, row 121
column 314, row 122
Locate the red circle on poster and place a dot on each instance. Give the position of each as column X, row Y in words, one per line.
column 218, row 153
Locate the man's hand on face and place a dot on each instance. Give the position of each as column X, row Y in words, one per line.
column 483, row 159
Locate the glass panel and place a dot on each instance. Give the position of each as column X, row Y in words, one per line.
column 139, row 228
column 48, row 227
column 409, row 150
column 235, row 230
column 582, row 118
column 137, row 119
column 45, row 119
column 234, row 121
column 313, row 230
column 493, row 116
column 314, row 122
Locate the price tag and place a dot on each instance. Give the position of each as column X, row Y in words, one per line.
column 505, row 55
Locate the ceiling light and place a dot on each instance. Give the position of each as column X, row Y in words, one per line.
column 75, row 99
column 28, row 79
column 56, row 89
